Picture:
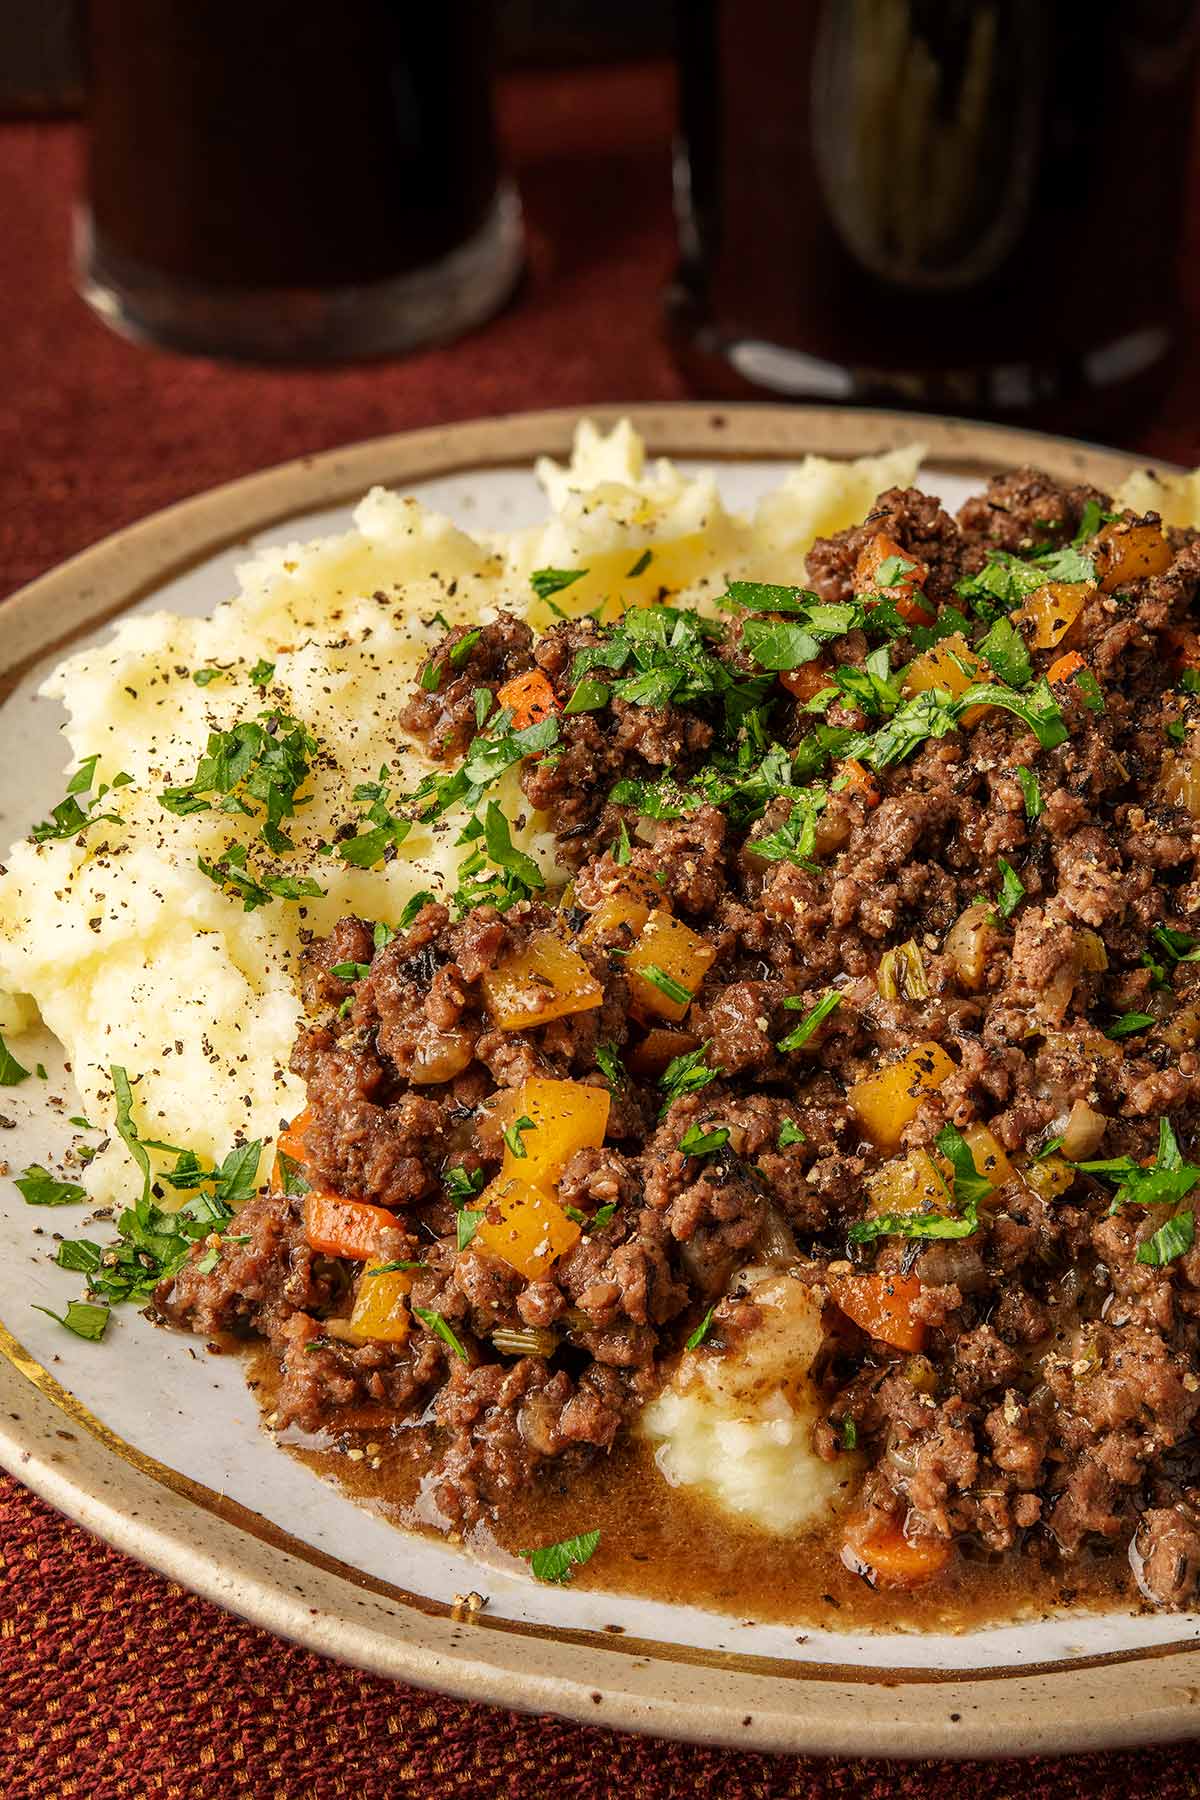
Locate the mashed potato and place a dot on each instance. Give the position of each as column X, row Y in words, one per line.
column 740, row 1428
column 131, row 955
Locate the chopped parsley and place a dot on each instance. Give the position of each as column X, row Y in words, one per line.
column 11, row 1071
column 462, row 1184
column 263, row 673
column 1035, row 806
column 1164, row 1183
column 967, row 1188
column 789, row 1133
column 38, row 1187
column 556, row 1562
column 1003, row 649
column 611, row 1067
column 433, row 1321
column 686, row 1074
column 702, row 1330
column 350, row 971
column 70, row 817
column 467, row 1221
column 256, row 769
column 698, row 1142
column 847, row 1432
column 545, row 582
column 666, row 984
column 82, row 1317
column 589, row 696
column 512, row 876
column 513, row 1138
column 1128, row 1025
column 1173, row 1238
column 1012, row 889
column 640, row 566
column 380, row 831
column 795, row 840
column 232, row 875
column 811, row 1022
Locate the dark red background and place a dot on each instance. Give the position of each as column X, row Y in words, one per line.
column 113, row 1682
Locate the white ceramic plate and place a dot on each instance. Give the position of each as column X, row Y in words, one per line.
column 157, row 1447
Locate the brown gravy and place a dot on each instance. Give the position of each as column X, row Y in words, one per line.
column 650, row 1534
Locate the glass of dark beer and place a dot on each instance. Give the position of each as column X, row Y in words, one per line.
column 973, row 206
column 293, row 180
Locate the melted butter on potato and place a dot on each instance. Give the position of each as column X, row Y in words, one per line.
column 737, row 1425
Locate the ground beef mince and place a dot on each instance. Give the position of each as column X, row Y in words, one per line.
column 885, row 982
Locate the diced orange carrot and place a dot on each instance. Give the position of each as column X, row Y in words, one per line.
column 910, row 603
column 290, row 1142
column 882, row 1305
column 529, row 697
column 659, row 1047
column 880, row 1550
column 808, row 680
column 338, row 1227
column 859, row 780
column 1063, row 667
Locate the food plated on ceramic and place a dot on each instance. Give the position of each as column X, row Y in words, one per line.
column 665, row 1022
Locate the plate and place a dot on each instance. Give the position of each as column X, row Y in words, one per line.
column 157, row 1448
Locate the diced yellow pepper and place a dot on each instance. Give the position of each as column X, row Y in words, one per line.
column 1131, row 551
column 1180, row 782
column 545, row 980
column 525, row 1228
column 988, row 1154
column 1053, row 609
column 887, row 1102
column 952, row 665
column 567, row 1116
column 1049, row 1176
column 908, row 1184
column 679, row 955
column 618, row 918
column 381, row 1305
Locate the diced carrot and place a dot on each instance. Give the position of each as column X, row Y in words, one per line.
column 880, row 1550
column 529, row 697
column 338, row 1227
column 859, row 780
column 882, row 1305
column 1063, row 667
column 910, row 603
column 659, row 1047
column 290, row 1142
column 806, row 682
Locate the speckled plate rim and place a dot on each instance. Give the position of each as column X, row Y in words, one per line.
column 244, row 1562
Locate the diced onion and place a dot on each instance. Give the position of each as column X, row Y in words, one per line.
column 1084, row 1132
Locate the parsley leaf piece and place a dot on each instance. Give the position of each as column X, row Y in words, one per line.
column 766, row 597
column 969, row 1186
column 488, row 757
column 292, row 1177
column 622, row 849
column 127, row 1128
column 795, row 840
column 1173, row 1238
column 512, row 1135
column 640, row 566
column 204, row 677
column 1128, row 1024
column 467, row 1221
column 686, row 1074
column 433, row 1321
column 1003, row 649
column 1035, row 806
column 409, row 911
column 350, row 971
column 915, row 1225
column 394, row 1268
column 1089, row 690
column 589, row 696
column 545, row 582
column 1166, row 1182
column 462, row 1184
column 698, row 1142
column 1002, row 584
column 611, row 1067
column 460, row 651
column 1067, row 564
column 779, row 645
column 1176, row 946
column 81, row 1317
column 257, row 768
column 555, row 1562
column 263, row 673
column 789, row 1133
column 11, row 1071
column 848, row 1434
column 1012, row 889
column 698, row 1336
column 231, row 874
column 602, row 1215
column 38, row 1187
column 811, row 1022
column 69, row 818
column 666, row 984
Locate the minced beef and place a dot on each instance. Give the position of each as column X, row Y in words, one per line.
column 1022, row 898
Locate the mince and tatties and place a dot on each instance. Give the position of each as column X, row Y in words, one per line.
column 789, row 1057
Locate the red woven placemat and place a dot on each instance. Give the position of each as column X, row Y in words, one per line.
column 115, row 1684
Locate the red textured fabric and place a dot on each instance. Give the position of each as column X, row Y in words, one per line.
column 115, row 1684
